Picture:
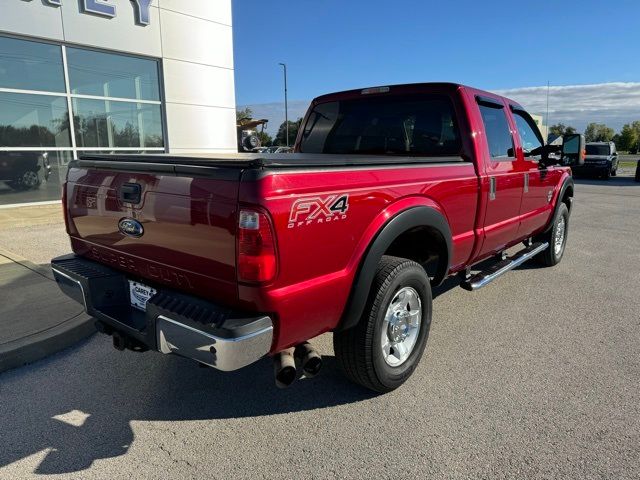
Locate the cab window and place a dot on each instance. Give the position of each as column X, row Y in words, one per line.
column 497, row 131
column 528, row 132
column 405, row 125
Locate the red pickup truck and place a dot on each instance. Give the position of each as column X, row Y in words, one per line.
column 227, row 258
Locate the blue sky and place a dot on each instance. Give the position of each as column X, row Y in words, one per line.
column 332, row 45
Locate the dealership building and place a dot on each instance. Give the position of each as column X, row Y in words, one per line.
column 109, row 76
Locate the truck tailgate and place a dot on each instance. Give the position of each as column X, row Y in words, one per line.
column 188, row 223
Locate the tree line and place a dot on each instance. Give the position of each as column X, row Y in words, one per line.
column 628, row 139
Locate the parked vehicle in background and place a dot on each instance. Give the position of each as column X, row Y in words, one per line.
column 24, row 170
column 227, row 258
column 601, row 159
column 638, row 171
column 248, row 139
column 279, row 149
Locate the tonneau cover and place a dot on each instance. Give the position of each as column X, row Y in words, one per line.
column 253, row 160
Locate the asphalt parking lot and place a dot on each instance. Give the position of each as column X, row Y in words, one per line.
column 535, row 376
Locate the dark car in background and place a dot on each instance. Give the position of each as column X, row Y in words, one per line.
column 601, row 160
column 24, row 170
column 278, row 149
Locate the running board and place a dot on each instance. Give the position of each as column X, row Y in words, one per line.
column 483, row 278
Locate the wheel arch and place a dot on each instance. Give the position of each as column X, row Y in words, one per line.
column 565, row 195
column 428, row 224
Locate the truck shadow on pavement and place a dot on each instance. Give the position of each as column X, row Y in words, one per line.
column 78, row 405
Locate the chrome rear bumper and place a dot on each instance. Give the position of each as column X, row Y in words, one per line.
column 174, row 323
column 225, row 354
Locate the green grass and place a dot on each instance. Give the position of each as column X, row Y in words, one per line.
column 627, row 164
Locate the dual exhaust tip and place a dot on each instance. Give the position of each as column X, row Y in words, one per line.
column 284, row 364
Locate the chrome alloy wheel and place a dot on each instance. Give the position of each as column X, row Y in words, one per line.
column 558, row 241
column 401, row 326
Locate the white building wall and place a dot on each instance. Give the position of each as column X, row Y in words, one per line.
column 197, row 43
column 120, row 33
column 31, row 18
column 193, row 38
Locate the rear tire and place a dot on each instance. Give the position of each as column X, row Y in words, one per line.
column 556, row 237
column 374, row 353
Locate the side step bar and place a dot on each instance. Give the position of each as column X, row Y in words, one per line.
column 483, row 278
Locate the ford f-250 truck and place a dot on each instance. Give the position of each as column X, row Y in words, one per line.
column 227, row 258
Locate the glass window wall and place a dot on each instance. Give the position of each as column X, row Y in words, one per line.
column 112, row 102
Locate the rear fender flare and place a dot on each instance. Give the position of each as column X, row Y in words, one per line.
column 417, row 216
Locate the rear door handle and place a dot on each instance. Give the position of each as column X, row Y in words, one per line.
column 130, row 193
column 526, row 183
column 492, row 188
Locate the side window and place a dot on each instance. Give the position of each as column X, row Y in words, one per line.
column 530, row 138
column 498, row 132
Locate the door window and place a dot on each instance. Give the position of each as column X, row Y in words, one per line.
column 498, row 132
column 530, row 138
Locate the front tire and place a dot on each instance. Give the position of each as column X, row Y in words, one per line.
column 556, row 237
column 383, row 349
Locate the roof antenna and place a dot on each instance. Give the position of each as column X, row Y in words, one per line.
column 548, row 124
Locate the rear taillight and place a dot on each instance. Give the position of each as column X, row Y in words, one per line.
column 257, row 261
column 65, row 210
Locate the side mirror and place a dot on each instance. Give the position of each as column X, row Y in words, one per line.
column 573, row 149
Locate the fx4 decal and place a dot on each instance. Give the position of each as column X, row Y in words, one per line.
column 315, row 210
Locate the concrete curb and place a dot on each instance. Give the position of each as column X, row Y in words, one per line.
column 42, row 344
column 39, row 345
column 39, row 269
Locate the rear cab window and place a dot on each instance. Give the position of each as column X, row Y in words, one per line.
column 602, row 150
column 405, row 125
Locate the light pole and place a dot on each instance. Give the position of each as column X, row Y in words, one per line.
column 286, row 104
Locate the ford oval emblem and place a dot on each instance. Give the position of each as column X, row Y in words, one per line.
column 131, row 227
